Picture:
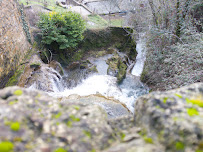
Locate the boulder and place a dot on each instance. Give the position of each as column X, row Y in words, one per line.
column 117, row 67
column 56, row 66
column 112, row 107
column 33, row 121
column 173, row 117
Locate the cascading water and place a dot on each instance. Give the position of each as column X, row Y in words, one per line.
column 140, row 59
column 127, row 92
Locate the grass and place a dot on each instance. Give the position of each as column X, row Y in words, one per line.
column 50, row 4
column 116, row 22
column 97, row 20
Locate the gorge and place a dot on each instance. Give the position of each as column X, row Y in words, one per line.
column 91, row 98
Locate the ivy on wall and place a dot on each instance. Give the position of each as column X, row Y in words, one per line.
column 25, row 24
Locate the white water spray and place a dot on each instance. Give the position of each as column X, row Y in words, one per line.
column 140, row 59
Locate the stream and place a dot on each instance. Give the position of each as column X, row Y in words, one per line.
column 100, row 83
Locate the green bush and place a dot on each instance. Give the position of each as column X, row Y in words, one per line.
column 61, row 30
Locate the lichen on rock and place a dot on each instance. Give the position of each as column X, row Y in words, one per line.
column 173, row 117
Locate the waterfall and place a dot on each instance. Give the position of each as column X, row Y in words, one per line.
column 140, row 59
column 127, row 92
column 99, row 83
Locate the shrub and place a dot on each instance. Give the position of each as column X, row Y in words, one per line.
column 61, row 30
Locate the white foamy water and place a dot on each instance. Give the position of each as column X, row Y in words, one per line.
column 140, row 59
column 127, row 92
column 105, row 85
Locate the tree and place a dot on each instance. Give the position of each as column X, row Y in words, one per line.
column 61, row 30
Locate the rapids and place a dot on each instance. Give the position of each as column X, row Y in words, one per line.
column 100, row 83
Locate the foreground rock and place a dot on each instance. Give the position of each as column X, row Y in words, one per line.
column 32, row 121
column 174, row 117
column 112, row 107
column 164, row 121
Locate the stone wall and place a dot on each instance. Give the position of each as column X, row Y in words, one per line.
column 13, row 42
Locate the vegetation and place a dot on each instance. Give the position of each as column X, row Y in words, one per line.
column 174, row 41
column 60, row 150
column 6, row 146
column 18, row 92
column 15, row 126
column 61, row 30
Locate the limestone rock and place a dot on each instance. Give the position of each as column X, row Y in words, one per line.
column 33, row 121
column 117, row 67
column 174, row 117
column 78, row 71
column 112, row 107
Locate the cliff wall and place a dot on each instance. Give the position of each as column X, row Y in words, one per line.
column 13, row 41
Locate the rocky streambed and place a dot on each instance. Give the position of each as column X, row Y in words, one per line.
column 95, row 104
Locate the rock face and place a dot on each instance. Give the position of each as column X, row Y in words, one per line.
column 117, row 67
column 112, row 107
column 174, row 117
column 13, row 42
column 32, row 121
column 164, row 121
column 78, row 71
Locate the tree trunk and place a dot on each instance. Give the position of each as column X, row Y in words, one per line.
column 153, row 12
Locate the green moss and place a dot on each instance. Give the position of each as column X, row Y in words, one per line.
column 56, row 116
column 17, row 139
column 35, row 65
column 199, row 150
column 18, row 92
column 6, row 146
column 15, row 126
column 69, row 124
column 76, row 107
column 73, row 118
column 122, row 71
column 192, row 112
column 179, row 146
column 77, row 56
column 178, row 95
column 148, row 140
column 15, row 78
column 122, row 136
column 197, row 101
column 87, row 133
column 93, row 150
column 13, row 102
column 38, row 95
column 60, row 150
column 165, row 99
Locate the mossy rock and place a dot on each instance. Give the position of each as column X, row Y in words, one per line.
column 116, row 67
column 122, row 67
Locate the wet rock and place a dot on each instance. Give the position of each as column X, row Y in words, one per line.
column 56, row 66
column 173, row 117
column 112, row 107
column 41, row 76
column 78, row 71
column 73, row 66
column 117, row 67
